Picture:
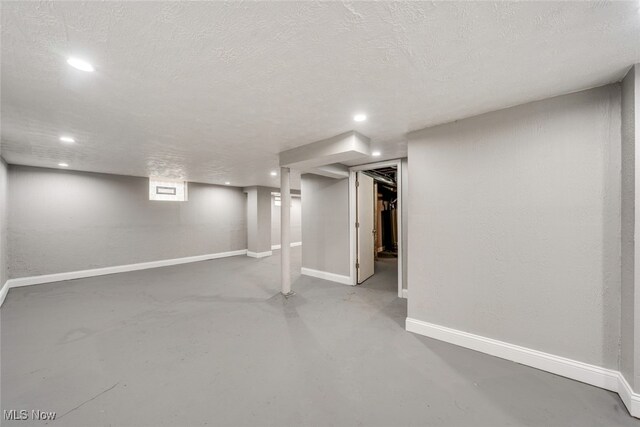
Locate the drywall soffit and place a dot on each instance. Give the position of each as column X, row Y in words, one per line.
column 341, row 148
column 336, row 171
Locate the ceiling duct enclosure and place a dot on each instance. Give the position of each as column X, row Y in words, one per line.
column 322, row 157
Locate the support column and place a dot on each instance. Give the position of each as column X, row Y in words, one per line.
column 258, row 221
column 285, row 231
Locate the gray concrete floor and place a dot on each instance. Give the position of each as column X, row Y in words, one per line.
column 213, row 343
column 385, row 277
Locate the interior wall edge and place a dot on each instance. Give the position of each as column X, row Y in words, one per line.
column 4, row 219
column 605, row 378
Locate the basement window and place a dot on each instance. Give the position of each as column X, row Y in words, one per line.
column 167, row 190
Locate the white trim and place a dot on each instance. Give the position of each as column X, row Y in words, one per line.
column 630, row 399
column 277, row 194
column 405, row 293
column 607, row 379
column 259, row 254
column 58, row 277
column 590, row 374
column 3, row 292
column 325, row 275
column 352, row 229
column 352, row 218
column 274, row 247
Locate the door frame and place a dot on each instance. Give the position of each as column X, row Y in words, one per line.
column 352, row 218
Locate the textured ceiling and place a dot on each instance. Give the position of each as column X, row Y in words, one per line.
column 211, row 92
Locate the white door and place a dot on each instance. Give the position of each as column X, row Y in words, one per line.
column 365, row 224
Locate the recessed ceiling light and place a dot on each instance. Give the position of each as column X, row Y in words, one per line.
column 227, row 183
column 360, row 117
column 64, row 165
column 67, row 139
column 375, row 154
column 274, row 173
column 80, row 64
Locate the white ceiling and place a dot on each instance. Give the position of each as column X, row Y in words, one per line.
column 212, row 92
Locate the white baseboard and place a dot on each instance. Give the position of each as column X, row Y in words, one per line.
column 628, row 397
column 3, row 292
column 607, row 379
column 259, row 254
column 274, row 247
column 58, row 277
column 345, row 280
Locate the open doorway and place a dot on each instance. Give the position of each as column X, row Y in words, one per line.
column 377, row 226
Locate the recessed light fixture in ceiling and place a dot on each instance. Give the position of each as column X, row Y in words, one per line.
column 80, row 64
column 227, row 183
column 63, row 165
column 67, row 139
column 360, row 117
column 376, row 154
column 274, row 173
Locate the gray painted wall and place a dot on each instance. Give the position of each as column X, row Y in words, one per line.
column 4, row 275
column 258, row 219
column 629, row 342
column 296, row 218
column 515, row 225
column 325, row 219
column 65, row 221
column 405, row 222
